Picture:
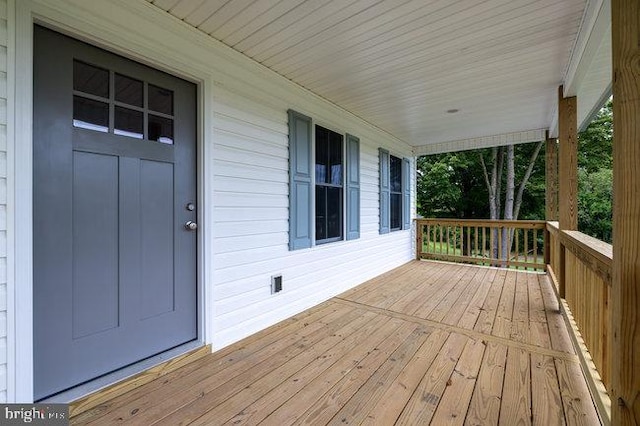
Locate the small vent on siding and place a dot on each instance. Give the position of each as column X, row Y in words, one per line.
column 276, row 284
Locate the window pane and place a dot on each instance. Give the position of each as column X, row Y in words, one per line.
column 322, row 155
column 335, row 159
column 321, row 209
column 160, row 100
column 334, row 212
column 128, row 90
column 160, row 129
column 90, row 79
column 396, row 211
column 90, row 114
column 128, row 123
column 395, row 174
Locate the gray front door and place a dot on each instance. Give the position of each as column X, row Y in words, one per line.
column 114, row 160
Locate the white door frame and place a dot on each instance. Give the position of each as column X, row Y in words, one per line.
column 83, row 19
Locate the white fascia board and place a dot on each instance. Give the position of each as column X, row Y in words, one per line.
column 596, row 23
column 482, row 142
column 553, row 127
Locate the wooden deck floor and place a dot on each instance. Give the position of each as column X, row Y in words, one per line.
column 427, row 343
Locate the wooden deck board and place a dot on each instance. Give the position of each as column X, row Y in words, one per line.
column 426, row 343
column 487, row 395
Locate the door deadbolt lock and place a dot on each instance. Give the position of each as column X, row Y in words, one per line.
column 191, row 225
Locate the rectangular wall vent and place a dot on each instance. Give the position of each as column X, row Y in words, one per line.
column 276, row 283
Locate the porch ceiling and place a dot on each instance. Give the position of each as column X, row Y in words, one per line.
column 402, row 64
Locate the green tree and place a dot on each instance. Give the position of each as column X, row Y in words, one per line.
column 595, row 195
column 450, row 185
column 595, row 176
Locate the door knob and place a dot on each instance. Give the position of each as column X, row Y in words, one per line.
column 191, row 225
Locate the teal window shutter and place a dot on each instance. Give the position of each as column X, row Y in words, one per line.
column 353, row 187
column 406, row 193
column 300, row 184
column 384, row 191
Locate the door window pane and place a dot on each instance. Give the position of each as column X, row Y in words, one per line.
column 129, row 90
column 128, row 123
column 90, row 79
column 160, row 100
column 160, row 129
column 90, row 114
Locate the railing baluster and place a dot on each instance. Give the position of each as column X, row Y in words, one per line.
column 501, row 230
column 475, row 235
column 517, row 237
column 447, row 233
column 484, row 241
column 535, row 246
column 455, row 238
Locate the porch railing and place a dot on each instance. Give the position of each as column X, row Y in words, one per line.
column 580, row 266
column 506, row 243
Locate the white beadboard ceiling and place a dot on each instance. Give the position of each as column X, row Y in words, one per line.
column 402, row 64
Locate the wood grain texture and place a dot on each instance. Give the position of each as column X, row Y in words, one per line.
column 350, row 362
column 487, row 395
column 94, row 400
column 568, row 162
column 516, row 397
column 551, row 178
column 546, row 404
column 625, row 295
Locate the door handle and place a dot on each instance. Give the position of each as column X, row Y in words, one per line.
column 191, row 226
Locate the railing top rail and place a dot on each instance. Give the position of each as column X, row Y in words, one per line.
column 593, row 246
column 553, row 224
column 485, row 222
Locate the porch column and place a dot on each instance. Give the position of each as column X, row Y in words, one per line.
column 568, row 175
column 568, row 162
column 551, row 178
column 625, row 290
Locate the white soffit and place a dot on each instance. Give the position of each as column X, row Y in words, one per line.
column 482, row 142
column 402, row 64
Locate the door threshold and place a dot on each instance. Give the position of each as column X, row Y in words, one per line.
column 90, row 394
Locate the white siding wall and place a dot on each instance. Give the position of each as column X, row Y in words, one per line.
column 250, row 214
column 3, row 201
column 246, row 171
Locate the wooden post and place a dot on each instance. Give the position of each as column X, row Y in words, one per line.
column 568, row 162
column 551, row 178
column 625, row 290
column 568, row 175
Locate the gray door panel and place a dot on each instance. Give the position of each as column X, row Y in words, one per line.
column 114, row 266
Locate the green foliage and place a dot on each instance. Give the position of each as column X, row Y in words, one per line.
column 595, row 196
column 451, row 185
column 595, row 176
column 596, row 141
